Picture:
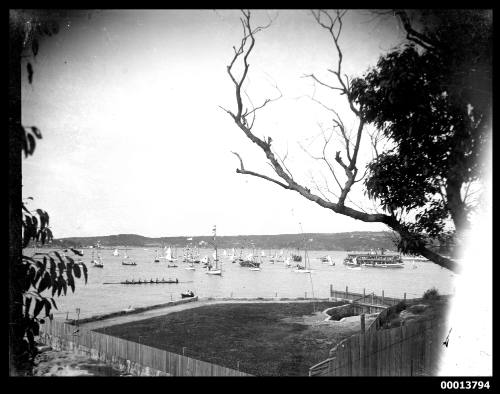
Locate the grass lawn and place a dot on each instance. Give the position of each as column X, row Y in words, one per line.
column 266, row 339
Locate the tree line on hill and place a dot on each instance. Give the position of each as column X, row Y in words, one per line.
column 361, row 240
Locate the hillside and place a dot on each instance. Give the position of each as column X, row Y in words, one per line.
column 359, row 240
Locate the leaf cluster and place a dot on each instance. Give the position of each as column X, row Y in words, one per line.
column 42, row 272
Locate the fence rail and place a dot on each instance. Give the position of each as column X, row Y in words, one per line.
column 371, row 298
column 114, row 349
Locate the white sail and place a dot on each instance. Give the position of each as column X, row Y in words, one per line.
column 168, row 254
column 224, row 252
column 116, row 253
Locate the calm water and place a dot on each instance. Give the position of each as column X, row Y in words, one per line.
column 272, row 280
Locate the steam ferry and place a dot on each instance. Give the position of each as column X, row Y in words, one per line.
column 374, row 260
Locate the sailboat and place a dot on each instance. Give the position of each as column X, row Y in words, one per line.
column 273, row 258
column 170, row 258
column 252, row 261
column 116, row 253
column 92, row 259
column 256, row 266
column 302, row 269
column 157, row 259
column 168, row 255
column 280, row 258
column 288, row 264
column 214, row 269
column 98, row 263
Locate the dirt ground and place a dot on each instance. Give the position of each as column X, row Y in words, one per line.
column 66, row 363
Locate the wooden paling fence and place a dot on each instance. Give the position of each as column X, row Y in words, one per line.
column 113, row 349
column 412, row 349
column 409, row 350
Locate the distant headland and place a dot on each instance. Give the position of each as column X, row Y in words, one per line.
column 357, row 240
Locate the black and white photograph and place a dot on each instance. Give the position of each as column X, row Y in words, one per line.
column 251, row 193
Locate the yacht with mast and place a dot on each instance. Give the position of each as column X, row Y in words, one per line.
column 304, row 269
column 214, row 268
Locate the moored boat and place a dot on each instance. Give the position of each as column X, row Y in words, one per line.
column 374, row 260
column 187, row 294
column 214, row 268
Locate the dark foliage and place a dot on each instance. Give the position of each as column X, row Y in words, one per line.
column 426, row 102
column 34, row 277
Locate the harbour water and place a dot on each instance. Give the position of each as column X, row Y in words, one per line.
column 273, row 280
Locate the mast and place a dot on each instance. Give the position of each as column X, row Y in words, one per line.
column 215, row 245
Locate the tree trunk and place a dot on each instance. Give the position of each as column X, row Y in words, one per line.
column 16, row 331
column 458, row 209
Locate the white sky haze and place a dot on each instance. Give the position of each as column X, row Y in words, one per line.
column 134, row 140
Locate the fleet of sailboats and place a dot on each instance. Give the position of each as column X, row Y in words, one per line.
column 298, row 260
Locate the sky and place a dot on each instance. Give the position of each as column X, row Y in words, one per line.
column 135, row 141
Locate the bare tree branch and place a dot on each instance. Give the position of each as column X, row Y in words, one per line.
column 413, row 35
column 242, row 170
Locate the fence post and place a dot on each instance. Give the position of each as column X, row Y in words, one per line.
column 372, row 298
column 362, row 346
column 405, row 297
column 346, row 288
column 364, row 293
column 383, row 297
column 331, row 290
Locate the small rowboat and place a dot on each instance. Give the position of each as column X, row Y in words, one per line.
column 187, row 294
